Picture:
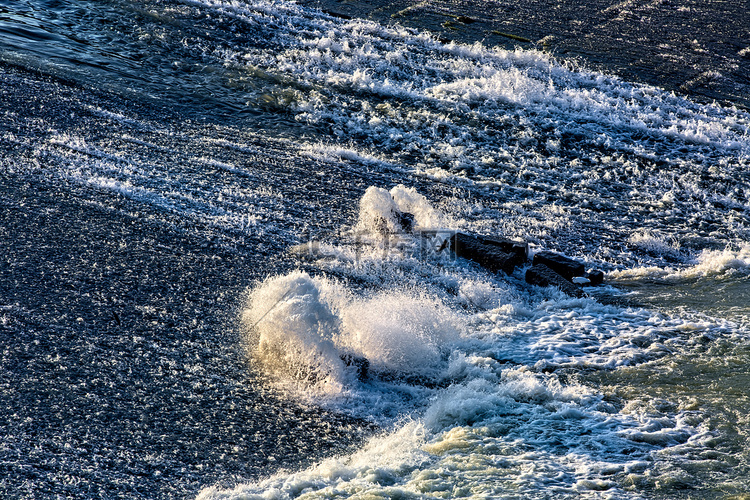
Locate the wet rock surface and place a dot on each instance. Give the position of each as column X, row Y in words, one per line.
column 492, row 254
column 547, row 269
column 564, row 266
column 542, row 275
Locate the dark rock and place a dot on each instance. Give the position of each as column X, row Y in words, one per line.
column 494, row 255
column 595, row 277
column 564, row 266
column 410, row 379
column 518, row 248
column 405, row 220
column 337, row 14
column 542, row 275
column 360, row 363
column 404, row 223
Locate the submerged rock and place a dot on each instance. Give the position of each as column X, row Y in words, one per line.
column 405, row 221
column 396, row 222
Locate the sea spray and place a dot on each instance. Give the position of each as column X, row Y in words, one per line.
column 707, row 263
column 294, row 331
column 303, row 330
column 379, row 210
column 401, row 333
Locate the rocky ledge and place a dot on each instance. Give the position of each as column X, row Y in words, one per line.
column 547, row 268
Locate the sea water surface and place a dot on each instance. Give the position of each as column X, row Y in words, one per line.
column 274, row 143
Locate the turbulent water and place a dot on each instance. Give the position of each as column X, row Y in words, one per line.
column 198, row 206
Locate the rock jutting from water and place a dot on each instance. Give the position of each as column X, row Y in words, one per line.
column 494, row 254
column 564, row 266
column 543, row 275
column 547, row 268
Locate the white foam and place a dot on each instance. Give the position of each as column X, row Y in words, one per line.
column 720, row 262
column 385, row 459
column 293, row 330
column 299, row 327
column 648, row 240
column 329, row 153
column 482, row 294
column 708, row 263
column 489, row 437
column 353, row 58
column 400, row 332
column 378, row 210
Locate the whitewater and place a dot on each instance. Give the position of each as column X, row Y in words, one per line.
column 200, row 202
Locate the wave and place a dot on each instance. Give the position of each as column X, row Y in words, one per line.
column 473, row 378
column 708, row 263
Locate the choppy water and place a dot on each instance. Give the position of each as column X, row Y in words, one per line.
column 229, row 162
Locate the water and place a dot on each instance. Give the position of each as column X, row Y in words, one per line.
column 191, row 198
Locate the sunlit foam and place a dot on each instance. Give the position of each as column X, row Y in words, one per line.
column 716, row 262
column 400, row 332
column 708, row 263
column 378, row 210
column 301, row 330
column 490, row 437
column 293, row 332
column 654, row 243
